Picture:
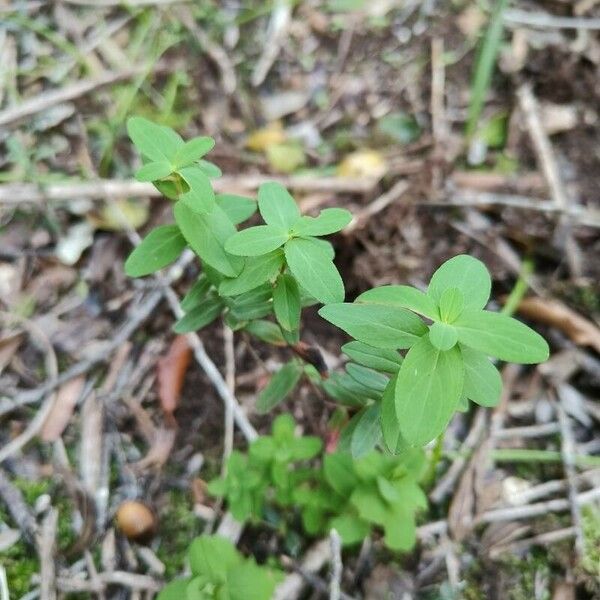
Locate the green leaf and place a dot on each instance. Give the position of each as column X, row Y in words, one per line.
column 428, row 390
column 388, row 361
column 196, row 294
column 369, row 504
column 192, row 150
column 286, row 302
column 175, row 590
column 452, row 303
column 305, row 447
column 339, row 473
column 153, row 171
column 400, row 531
column 389, row 420
column 402, row 296
column 377, row 325
column 256, row 271
column 237, row 208
column 258, row 240
column 323, row 245
column 468, row 275
column 367, row 433
column 209, row 169
column 248, row 581
column 329, row 221
column 277, row 206
column 200, row 197
column 443, row 336
column 206, row 234
column 158, row 249
column 367, row 377
column 156, row 142
column 335, row 388
column 505, row 338
column 314, row 271
column 200, row 316
column 352, row 530
column 483, row 383
column 266, row 331
column 212, row 556
column 280, row 386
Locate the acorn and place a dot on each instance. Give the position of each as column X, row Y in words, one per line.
column 136, row 521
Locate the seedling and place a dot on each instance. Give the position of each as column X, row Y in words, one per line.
column 220, row 572
column 353, row 495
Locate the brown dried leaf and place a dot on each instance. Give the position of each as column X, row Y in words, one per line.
column 159, row 451
column 557, row 314
column 8, row 347
column 170, row 371
column 62, row 410
column 564, row 591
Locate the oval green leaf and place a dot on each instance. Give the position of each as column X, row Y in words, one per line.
column 500, row 336
column 428, row 390
column 159, row 248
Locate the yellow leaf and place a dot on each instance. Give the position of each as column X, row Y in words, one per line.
column 363, row 163
column 119, row 215
column 261, row 139
column 285, row 158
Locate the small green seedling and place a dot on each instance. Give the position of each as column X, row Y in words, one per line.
column 352, row 495
column 270, row 472
column 220, row 572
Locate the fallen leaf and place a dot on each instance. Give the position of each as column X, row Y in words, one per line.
column 159, row 451
column 120, row 215
column 558, row 315
column 8, row 347
column 363, row 163
column 286, row 157
column 59, row 416
column 78, row 238
column 170, row 371
column 564, row 591
column 261, row 139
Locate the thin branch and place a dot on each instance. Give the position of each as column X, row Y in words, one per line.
column 567, row 450
column 40, row 102
column 547, row 21
column 337, row 568
column 16, row 194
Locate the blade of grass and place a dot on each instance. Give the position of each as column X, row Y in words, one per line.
column 484, row 66
column 519, row 290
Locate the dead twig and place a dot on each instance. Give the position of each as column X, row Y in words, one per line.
column 274, row 37
column 18, row 508
column 362, row 217
column 11, row 116
column 337, row 568
column 46, row 551
column 567, row 450
column 446, row 483
column 16, row 194
column 578, row 214
column 543, row 20
column 549, row 165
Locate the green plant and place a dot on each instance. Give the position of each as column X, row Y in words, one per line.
column 220, row 572
column 447, row 361
column 352, row 495
column 258, row 279
column 270, row 471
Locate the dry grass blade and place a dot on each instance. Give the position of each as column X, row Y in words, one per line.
column 61, row 412
column 556, row 314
